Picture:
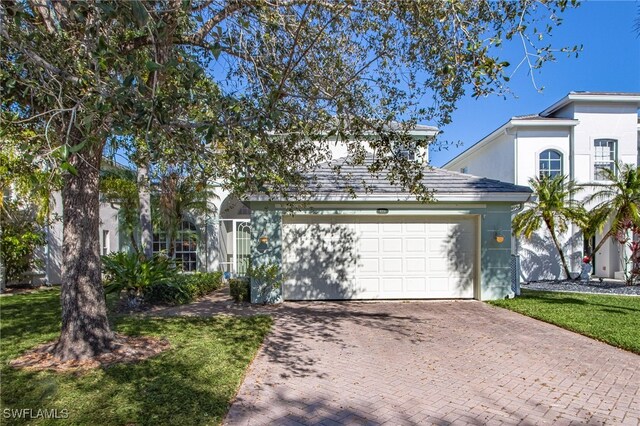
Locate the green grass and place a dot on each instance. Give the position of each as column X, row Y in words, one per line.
column 611, row 319
column 190, row 384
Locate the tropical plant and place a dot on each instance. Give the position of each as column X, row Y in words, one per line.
column 628, row 235
column 19, row 239
column 617, row 201
column 133, row 273
column 266, row 277
column 185, row 289
column 554, row 205
column 25, row 205
column 177, row 195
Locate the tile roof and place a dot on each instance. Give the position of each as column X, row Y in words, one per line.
column 358, row 179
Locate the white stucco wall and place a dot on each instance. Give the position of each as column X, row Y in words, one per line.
column 595, row 120
column 531, row 142
column 494, row 160
column 604, row 121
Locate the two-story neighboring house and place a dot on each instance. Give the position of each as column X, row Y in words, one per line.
column 577, row 136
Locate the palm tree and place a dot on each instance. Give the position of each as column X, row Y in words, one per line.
column 179, row 194
column 555, row 206
column 617, row 201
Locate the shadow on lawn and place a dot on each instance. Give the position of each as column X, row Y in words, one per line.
column 191, row 383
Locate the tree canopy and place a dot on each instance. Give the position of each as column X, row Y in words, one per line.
column 253, row 90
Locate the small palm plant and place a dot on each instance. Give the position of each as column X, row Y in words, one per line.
column 555, row 207
column 618, row 201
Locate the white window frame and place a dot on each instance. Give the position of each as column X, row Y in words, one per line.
column 106, row 242
column 186, row 245
column 602, row 163
column 551, row 172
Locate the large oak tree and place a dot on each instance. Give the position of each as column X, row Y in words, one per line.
column 253, row 90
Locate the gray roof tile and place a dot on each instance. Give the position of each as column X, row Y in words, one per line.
column 356, row 177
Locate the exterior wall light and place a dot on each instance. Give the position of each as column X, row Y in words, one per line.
column 264, row 239
column 382, row 211
column 499, row 238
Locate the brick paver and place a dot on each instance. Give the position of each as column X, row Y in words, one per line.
column 432, row 363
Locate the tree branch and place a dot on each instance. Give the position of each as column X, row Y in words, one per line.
column 37, row 59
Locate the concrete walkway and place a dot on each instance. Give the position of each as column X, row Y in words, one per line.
column 432, row 363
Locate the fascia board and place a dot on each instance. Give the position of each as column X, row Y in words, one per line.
column 517, row 197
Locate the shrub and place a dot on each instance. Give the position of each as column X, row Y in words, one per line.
column 134, row 273
column 18, row 242
column 240, row 289
column 184, row 288
column 266, row 277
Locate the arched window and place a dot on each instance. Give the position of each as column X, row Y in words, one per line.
column 185, row 246
column 550, row 163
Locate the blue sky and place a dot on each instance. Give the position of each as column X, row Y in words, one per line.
column 609, row 61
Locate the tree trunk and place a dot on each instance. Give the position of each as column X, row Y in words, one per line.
column 144, row 191
column 134, row 243
column 602, row 241
column 85, row 328
column 559, row 248
column 3, row 280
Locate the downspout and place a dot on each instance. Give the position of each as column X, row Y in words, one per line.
column 571, row 179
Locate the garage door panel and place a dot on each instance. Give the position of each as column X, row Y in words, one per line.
column 369, row 245
column 392, row 285
column 391, row 265
column 369, row 286
column 369, row 265
column 415, row 245
column 415, row 265
column 416, row 285
column 415, row 227
column 380, row 257
column 369, row 229
column 391, row 245
column 391, row 228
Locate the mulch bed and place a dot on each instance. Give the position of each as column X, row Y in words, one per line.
column 127, row 349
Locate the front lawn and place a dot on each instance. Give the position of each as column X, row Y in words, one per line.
column 612, row 319
column 190, row 384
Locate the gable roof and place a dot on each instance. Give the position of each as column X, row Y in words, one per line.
column 530, row 120
column 592, row 96
column 325, row 185
column 545, row 117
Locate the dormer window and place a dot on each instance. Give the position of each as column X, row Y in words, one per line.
column 550, row 163
column 604, row 157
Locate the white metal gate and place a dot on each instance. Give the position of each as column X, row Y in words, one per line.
column 235, row 245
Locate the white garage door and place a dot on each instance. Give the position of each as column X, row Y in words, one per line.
column 373, row 257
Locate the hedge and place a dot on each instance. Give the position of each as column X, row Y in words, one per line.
column 185, row 289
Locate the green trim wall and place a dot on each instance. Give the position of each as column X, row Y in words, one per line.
column 493, row 217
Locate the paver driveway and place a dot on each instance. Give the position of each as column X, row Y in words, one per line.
column 432, row 363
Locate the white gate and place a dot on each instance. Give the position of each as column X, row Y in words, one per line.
column 235, row 245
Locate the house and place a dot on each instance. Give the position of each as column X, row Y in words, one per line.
column 577, row 136
column 383, row 244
